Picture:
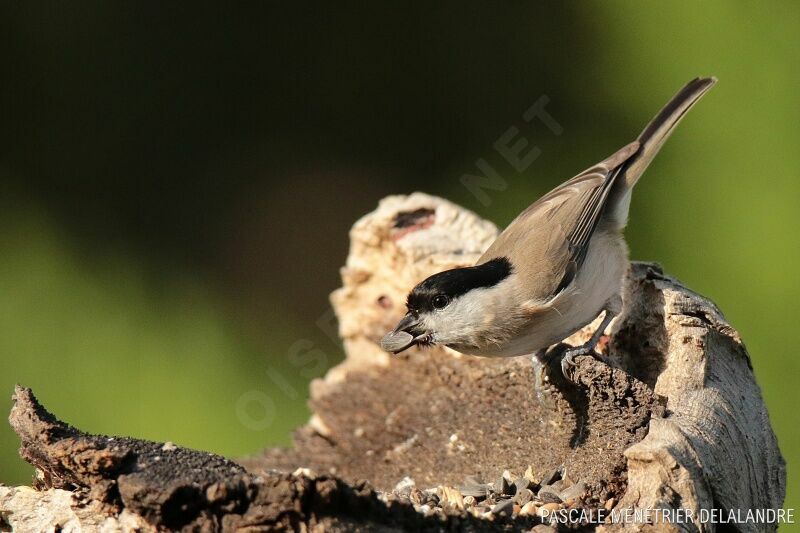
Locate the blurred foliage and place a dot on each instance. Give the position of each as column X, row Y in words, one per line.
column 118, row 350
column 178, row 182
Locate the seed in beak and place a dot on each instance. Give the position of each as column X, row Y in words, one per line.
column 396, row 341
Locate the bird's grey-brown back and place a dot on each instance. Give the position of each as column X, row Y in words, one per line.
column 538, row 241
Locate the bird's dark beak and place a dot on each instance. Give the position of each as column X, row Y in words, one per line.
column 405, row 335
column 407, row 323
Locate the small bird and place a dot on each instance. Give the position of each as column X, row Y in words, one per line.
column 552, row 271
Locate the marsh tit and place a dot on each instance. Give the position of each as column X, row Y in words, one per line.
column 552, row 271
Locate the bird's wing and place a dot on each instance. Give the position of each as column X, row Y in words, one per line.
column 551, row 236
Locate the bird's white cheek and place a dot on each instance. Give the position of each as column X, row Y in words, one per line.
column 432, row 323
column 456, row 325
column 440, row 326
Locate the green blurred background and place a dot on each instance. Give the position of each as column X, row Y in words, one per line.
column 177, row 183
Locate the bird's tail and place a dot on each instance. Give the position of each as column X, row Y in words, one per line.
column 650, row 142
column 660, row 128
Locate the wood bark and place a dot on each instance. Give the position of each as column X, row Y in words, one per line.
column 671, row 419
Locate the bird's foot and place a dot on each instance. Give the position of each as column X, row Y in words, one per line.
column 568, row 361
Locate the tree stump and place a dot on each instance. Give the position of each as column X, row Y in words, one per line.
column 672, row 420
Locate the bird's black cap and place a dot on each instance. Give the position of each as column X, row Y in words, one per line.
column 456, row 282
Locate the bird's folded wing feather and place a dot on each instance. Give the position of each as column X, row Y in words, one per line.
column 550, row 238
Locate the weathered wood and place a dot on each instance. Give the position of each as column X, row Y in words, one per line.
column 715, row 449
column 676, row 421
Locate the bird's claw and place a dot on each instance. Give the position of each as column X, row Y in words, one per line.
column 568, row 361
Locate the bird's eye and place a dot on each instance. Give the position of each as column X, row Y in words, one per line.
column 440, row 301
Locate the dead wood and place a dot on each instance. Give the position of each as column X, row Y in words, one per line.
column 674, row 420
